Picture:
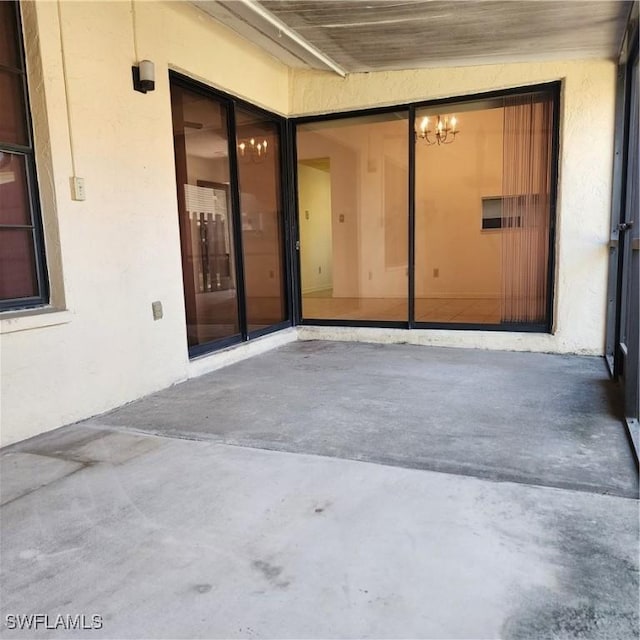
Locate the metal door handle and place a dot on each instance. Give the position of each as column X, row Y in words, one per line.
column 625, row 226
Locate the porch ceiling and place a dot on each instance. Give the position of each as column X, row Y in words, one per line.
column 376, row 35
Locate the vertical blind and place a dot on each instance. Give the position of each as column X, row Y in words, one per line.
column 526, row 207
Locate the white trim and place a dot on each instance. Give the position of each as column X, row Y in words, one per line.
column 13, row 321
column 214, row 361
column 489, row 340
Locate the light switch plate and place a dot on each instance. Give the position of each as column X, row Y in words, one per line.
column 77, row 188
column 156, row 307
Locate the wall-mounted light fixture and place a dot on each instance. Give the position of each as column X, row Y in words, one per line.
column 144, row 76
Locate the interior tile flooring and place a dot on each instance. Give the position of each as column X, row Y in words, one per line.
column 321, row 305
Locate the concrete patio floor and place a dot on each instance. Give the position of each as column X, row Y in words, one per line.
column 532, row 532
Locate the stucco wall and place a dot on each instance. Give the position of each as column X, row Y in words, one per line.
column 586, row 149
column 118, row 251
column 112, row 255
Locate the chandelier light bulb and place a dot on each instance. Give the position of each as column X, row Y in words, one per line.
column 444, row 131
column 252, row 149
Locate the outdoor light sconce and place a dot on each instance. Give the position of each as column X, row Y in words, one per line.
column 144, row 76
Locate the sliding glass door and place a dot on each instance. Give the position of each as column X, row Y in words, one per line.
column 230, row 217
column 262, row 217
column 483, row 201
column 446, row 223
column 353, row 177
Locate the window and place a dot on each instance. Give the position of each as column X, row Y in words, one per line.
column 22, row 270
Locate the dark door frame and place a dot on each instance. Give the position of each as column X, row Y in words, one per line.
column 622, row 298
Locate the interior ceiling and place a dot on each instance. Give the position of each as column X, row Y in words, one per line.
column 376, row 35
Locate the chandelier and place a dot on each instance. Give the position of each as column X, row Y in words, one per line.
column 444, row 131
column 252, row 150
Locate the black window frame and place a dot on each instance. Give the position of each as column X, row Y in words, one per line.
column 28, row 153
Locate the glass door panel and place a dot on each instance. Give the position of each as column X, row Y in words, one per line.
column 261, row 210
column 457, row 213
column 483, row 211
column 200, row 130
column 353, row 177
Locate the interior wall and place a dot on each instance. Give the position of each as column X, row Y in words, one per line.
column 115, row 253
column 368, row 169
column 315, row 224
column 455, row 257
column 344, row 178
column 585, row 171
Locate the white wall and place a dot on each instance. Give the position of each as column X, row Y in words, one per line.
column 118, row 251
column 316, row 253
column 112, row 255
column 584, row 198
column 451, row 181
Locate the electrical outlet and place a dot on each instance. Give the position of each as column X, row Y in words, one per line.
column 436, row 273
column 156, row 307
column 77, row 188
column 341, row 217
column 306, row 214
column 319, row 269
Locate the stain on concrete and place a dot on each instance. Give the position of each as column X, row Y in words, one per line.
column 584, row 622
column 271, row 572
column 321, row 508
column 597, row 595
column 202, row 588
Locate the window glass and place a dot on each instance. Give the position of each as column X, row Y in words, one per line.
column 458, row 190
column 258, row 150
column 200, row 129
column 13, row 190
column 13, row 121
column 353, row 182
column 482, row 211
column 9, row 45
column 17, row 264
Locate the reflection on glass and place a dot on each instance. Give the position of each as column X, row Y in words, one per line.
column 17, row 264
column 13, row 124
column 204, row 209
column 14, row 200
column 353, row 217
column 9, row 49
column 258, row 151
